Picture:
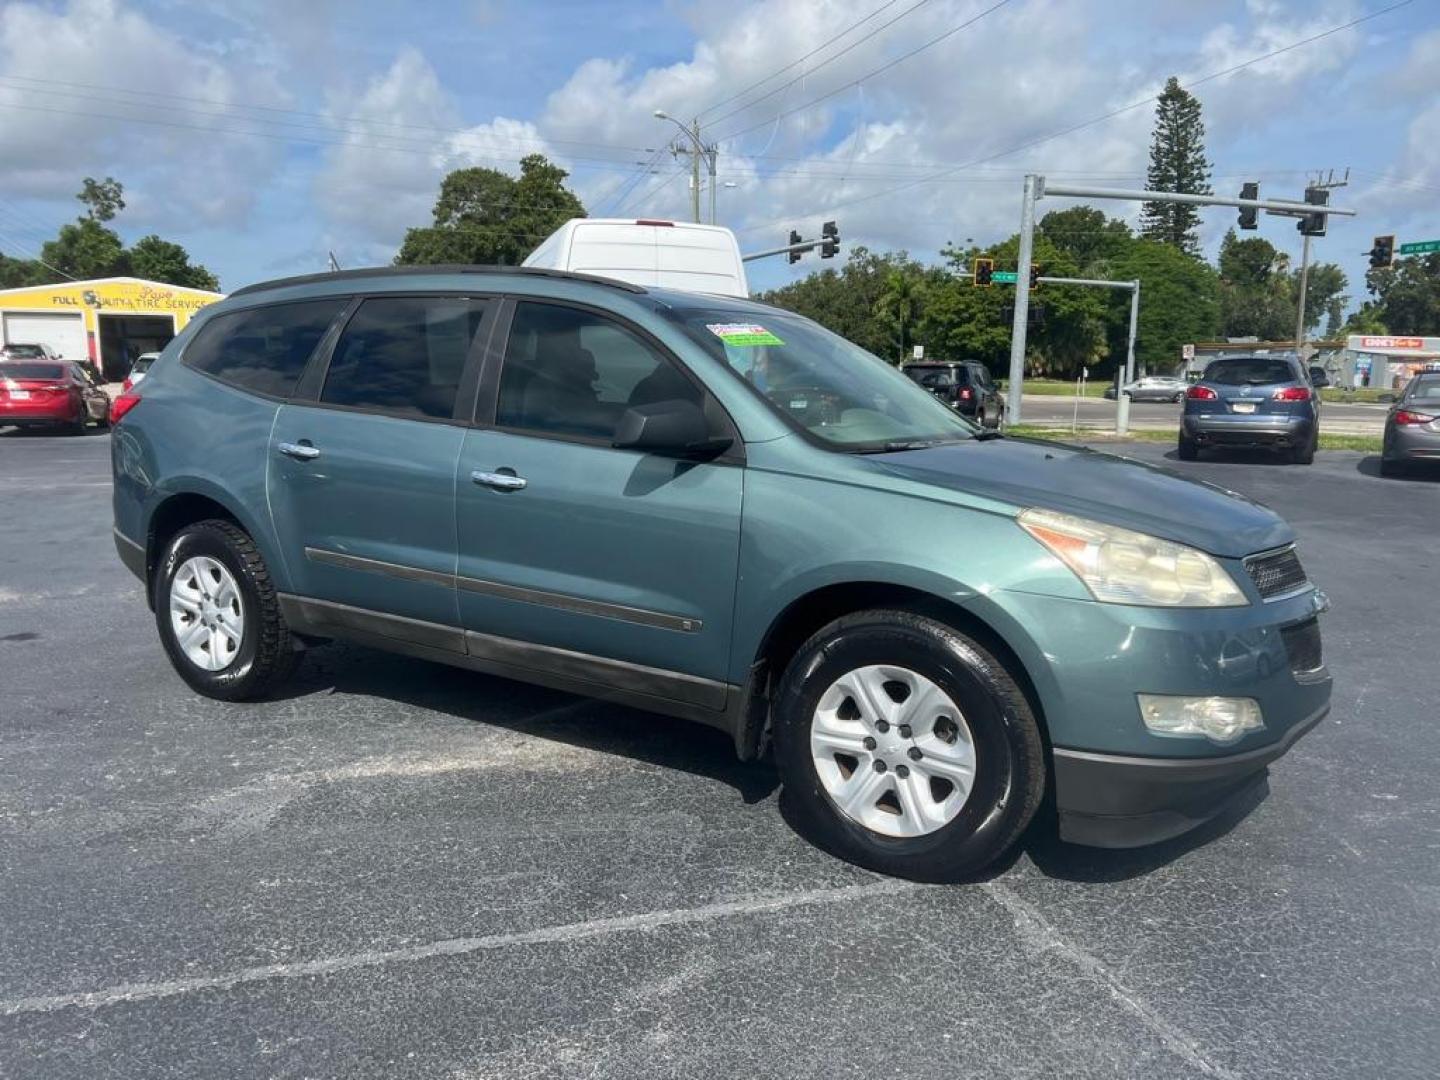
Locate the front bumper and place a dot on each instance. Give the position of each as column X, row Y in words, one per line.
column 1115, row 801
column 1255, row 429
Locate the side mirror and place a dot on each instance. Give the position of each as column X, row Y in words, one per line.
column 671, row 428
column 1318, row 378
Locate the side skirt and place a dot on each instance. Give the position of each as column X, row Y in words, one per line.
column 670, row 693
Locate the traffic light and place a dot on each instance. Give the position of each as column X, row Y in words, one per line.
column 1314, row 224
column 1249, row 216
column 1382, row 254
column 795, row 238
column 1035, row 271
column 830, row 242
column 984, row 268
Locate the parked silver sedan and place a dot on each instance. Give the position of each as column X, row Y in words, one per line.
column 1412, row 429
column 1153, row 388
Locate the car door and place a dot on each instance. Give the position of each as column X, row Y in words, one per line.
column 625, row 562
column 97, row 402
column 361, row 475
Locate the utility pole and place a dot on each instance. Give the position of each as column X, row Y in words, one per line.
column 696, row 150
column 1328, row 184
column 1034, row 186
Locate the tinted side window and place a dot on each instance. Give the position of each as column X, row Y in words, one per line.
column 263, row 349
column 571, row 372
column 404, row 355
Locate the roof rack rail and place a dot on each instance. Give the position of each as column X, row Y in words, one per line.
column 439, row 268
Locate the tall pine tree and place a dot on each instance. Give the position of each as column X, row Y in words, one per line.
column 1177, row 163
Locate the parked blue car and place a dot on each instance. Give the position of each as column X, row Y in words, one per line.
column 717, row 510
column 1252, row 401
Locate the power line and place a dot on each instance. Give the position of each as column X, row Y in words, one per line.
column 868, row 75
column 819, row 48
column 1098, row 119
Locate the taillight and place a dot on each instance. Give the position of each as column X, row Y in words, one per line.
column 1405, row 416
column 1291, row 393
column 965, row 394
column 1201, row 393
column 122, row 405
column 126, row 385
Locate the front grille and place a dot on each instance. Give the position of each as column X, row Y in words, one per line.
column 1302, row 645
column 1276, row 573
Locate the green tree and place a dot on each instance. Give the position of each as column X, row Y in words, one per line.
column 898, row 308
column 1257, row 290
column 1325, row 297
column 86, row 249
column 1407, row 295
column 17, row 273
column 1087, row 236
column 484, row 216
column 103, row 199
column 1179, row 302
column 160, row 260
column 1178, row 164
column 846, row 300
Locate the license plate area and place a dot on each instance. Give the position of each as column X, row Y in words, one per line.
column 1242, row 406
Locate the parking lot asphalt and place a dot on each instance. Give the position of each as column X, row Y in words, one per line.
column 399, row 869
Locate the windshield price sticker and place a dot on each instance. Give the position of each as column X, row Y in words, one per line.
column 743, row 334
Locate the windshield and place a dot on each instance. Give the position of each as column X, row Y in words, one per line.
column 1249, row 371
column 31, row 371
column 25, row 352
column 833, row 390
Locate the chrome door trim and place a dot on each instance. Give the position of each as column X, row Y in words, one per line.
column 565, row 602
column 661, row 620
column 379, row 566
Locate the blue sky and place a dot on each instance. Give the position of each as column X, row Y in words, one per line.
column 263, row 134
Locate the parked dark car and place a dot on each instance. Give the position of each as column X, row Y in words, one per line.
column 1412, row 430
column 1252, row 401
column 966, row 386
column 50, row 393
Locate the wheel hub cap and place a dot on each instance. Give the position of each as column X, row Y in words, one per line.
column 895, row 784
column 206, row 613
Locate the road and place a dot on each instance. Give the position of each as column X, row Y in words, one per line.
column 404, row 870
column 1335, row 418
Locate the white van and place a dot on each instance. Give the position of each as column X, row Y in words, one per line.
column 647, row 251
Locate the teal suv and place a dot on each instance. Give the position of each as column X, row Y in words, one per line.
column 716, row 510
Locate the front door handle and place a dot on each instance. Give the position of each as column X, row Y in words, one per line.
column 299, row 451
column 500, row 481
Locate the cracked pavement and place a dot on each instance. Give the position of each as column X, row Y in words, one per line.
column 400, row 869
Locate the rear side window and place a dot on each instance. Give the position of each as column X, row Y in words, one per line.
column 263, row 349
column 1249, row 371
column 404, row 355
column 1424, row 388
column 24, row 352
column 31, row 371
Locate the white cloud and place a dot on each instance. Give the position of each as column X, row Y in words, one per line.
column 181, row 162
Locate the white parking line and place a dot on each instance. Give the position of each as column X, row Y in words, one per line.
column 593, row 928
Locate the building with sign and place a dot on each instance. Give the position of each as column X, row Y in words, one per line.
column 1388, row 363
column 109, row 321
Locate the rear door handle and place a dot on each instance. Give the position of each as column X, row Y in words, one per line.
column 299, row 451
column 500, row 481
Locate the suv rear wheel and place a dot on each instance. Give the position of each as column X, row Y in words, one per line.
column 218, row 615
column 1304, row 454
column 1187, row 450
column 906, row 747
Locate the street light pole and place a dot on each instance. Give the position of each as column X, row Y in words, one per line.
column 698, row 150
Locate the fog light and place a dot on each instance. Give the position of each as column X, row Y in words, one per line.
column 1220, row 719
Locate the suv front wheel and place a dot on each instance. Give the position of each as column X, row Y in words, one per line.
column 906, row 747
column 218, row 615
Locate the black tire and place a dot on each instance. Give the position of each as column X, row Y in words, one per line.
column 1010, row 757
column 1187, row 450
column 1177, row 399
column 76, row 427
column 267, row 655
column 1305, row 454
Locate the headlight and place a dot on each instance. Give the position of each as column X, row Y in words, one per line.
column 1123, row 567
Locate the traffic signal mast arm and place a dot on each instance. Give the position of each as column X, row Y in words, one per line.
column 1273, row 206
column 828, row 243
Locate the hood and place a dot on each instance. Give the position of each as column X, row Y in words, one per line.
column 1102, row 487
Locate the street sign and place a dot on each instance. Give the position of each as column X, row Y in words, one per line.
column 918, row 352
column 1187, row 352
column 1420, row 248
column 1004, row 277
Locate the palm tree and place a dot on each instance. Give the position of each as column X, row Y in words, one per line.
column 898, row 306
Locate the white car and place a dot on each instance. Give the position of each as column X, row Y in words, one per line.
column 140, row 367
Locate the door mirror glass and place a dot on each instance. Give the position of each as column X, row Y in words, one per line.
column 671, row 428
column 1318, row 378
